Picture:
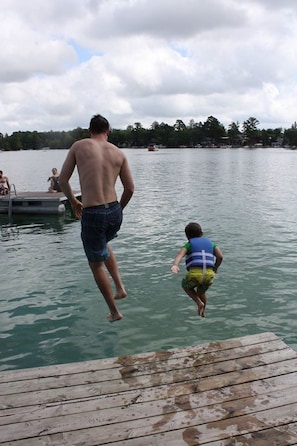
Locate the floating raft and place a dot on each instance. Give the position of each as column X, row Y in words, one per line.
column 240, row 391
column 34, row 203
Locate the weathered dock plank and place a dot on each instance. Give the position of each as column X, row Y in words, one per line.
column 188, row 364
column 110, row 363
column 240, row 391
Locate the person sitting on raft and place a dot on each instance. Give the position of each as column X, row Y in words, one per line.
column 54, row 179
column 4, row 184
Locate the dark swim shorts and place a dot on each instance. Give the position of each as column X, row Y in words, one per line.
column 99, row 225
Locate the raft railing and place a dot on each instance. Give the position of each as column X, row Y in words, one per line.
column 12, row 186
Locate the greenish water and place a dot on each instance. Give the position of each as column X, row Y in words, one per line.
column 245, row 200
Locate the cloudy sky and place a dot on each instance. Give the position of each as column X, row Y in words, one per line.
column 61, row 61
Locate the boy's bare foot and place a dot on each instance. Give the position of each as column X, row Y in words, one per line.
column 120, row 295
column 114, row 317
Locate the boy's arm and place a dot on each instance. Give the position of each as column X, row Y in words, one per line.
column 219, row 258
column 175, row 268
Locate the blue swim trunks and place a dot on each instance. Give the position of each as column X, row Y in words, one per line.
column 99, row 225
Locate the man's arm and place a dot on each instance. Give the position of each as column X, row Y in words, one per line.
column 127, row 182
column 65, row 175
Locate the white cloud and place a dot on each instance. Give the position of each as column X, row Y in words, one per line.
column 145, row 61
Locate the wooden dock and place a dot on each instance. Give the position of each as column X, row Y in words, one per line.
column 239, row 392
column 34, row 203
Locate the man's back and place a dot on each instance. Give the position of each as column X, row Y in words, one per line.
column 99, row 163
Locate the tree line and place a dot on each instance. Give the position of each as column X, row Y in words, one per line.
column 210, row 133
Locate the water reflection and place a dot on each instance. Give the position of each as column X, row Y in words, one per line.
column 10, row 228
column 9, row 232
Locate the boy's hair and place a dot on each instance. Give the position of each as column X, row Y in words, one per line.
column 99, row 124
column 193, row 230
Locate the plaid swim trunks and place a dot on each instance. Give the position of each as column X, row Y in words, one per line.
column 99, row 225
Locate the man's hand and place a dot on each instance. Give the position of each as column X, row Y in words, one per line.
column 77, row 208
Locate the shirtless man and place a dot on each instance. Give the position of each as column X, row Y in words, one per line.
column 4, row 184
column 99, row 164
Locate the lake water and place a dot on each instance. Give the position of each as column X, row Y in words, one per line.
column 245, row 200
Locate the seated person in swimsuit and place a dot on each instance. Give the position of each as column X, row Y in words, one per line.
column 54, row 179
column 4, row 184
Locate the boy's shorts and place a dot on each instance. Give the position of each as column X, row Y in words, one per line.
column 99, row 225
column 195, row 279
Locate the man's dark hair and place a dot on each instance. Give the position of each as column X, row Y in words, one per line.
column 193, row 230
column 99, row 124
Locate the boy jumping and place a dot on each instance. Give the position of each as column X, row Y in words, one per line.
column 203, row 258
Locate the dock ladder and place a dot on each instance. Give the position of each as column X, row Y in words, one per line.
column 12, row 186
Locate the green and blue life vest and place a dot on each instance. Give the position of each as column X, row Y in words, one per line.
column 201, row 253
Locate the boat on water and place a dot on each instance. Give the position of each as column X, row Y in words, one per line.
column 151, row 148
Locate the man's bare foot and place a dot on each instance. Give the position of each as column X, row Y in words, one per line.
column 114, row 317
column 120, row 294
column 201, row 309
